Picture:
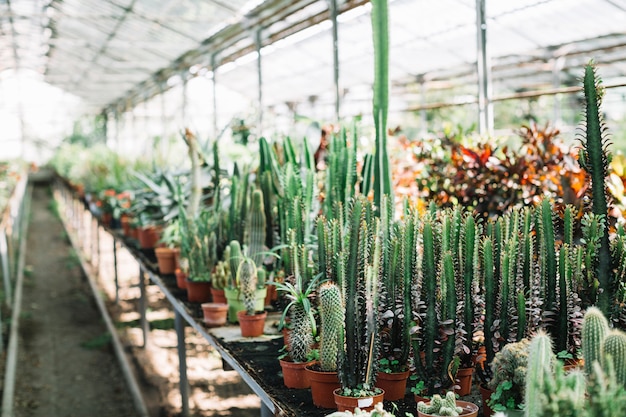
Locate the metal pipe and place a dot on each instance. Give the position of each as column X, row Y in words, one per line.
column 260, row 83
column 485, row 107
column 332, row 5
column 143, row 320
column 115, row 274
column 179, row 324
column 214, row 84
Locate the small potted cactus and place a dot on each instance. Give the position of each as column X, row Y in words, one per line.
column 446, row 406
column 509, row 378
column 251, row 320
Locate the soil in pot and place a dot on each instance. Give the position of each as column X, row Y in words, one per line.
column 393, row 383
column 294, row 373
column 350, row 403
column 214, row 314
column 322, row 386
column 251, row 325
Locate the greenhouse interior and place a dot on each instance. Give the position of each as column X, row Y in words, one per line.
column 313, row 208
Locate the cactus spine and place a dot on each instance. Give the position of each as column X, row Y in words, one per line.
column 256, row 229
column 595, row 328
column 331, row 310
column 490, row 294
column 614, row 350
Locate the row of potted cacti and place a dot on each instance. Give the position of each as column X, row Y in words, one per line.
column 423, row 289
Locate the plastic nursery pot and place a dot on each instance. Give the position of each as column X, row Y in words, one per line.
column 294, row 373
column 198, row 291
column 394, row 384
column 251, row 325
column 322, row 386
column 469, row 410
column 344, row 403
column 214, row 314
column 165, row 260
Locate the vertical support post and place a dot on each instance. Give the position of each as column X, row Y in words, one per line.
column 163, row 121
column 260, row 82
column 183, row 107
column 115, row 274
column 97, row 264
column 143, row 304
column 214, row 84
column 332, row 5
column 4, row 254
column 179, row 324
column 485, row 107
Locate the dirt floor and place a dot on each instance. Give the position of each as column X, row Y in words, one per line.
column 66, row 364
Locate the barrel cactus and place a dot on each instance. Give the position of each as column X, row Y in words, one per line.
column 595, row 328
column 614, row 349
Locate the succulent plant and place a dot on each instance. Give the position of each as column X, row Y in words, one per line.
column 595, row 328
column 331, row 311
column 439, row 406
column 509, row 376
column 614, row 350
column 247, row 278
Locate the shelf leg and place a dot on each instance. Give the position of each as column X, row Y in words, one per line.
column 179, row 323
column 143, row 304
column 115, row 275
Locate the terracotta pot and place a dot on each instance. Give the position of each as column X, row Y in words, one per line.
column 469, row 410
column 214, row 314
column 464, row 381
column 350, row 403
column 148, row 236
column 294, row 373
column 125, row 222
column 251, row 326
column 134, row 233
column 181, row 279
column 322, row 386
column 218, row 295
column 165, row 260
column 176, row 258
column 234, row 298
column 106, row 219
column 198, row 292
column 485, row 394
column 394, row 384
column 271, row 295
column 480, row 357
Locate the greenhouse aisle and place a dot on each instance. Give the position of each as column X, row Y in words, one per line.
column 65, row 367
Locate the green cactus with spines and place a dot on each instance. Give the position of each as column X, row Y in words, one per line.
column 593, row 227
column 247, row 279
column 220, row 279
column 541, row 361
column 547, row 247
column 528, row 247
column 568, row 225
column 448, row 309
column 301, row 335
column 595, row 158
column 489, row 283
column 614, row 350
column 521, row 315
column 562, row 319
column 509, row 367
column 331, row 311
column 468, row 254
column 594, row 330
column 439, row 406
column 234, row 259
column 255, row 233
column 265, row 183
column 507, row 278
column 429, row 269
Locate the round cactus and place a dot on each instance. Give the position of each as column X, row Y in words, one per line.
column 595, row 328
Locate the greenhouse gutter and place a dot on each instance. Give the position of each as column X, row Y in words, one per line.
column 12, row 351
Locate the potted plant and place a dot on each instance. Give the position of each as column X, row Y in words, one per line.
column 446, row 406
column 378, row 411
column 167, row 253
column 323, row 376
column 298, row 289
column 358, row 364
column 220, row 278
column 509, row 378
column 251, row 320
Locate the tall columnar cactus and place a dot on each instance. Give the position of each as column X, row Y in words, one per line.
column 594, row 158
column 247, row 277
column 547, row 256
column 538, row 373
column 448, row 309
column 429, row 271
column 528, row 248
column 380, row 31
column 614, row 350
column 489, row 283
column 255, row 234
column 562, row 319
column 234, row 259
column 595, row 328
column 301, row 335
column 468, row 251
column 331, row 311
